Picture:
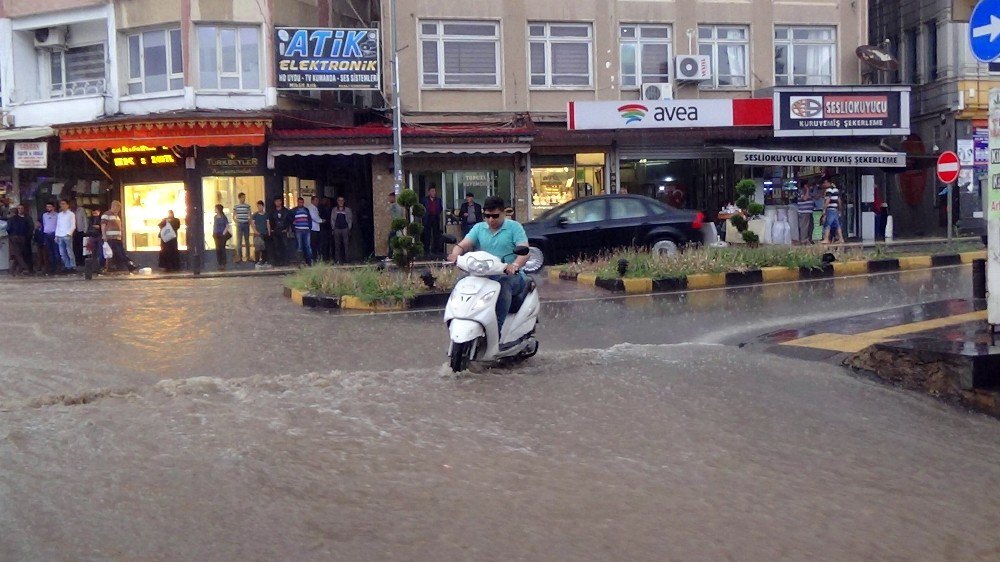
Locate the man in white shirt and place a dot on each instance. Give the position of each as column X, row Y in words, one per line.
column 316, row 222
column 65, row 228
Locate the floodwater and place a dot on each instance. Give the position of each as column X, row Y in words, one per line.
column 213, row 420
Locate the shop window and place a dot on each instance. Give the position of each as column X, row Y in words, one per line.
column 228, row 58
column 627, row 209
column 912, row 62
column 804, row 55
column 559, row 55
column 145, row 206
column 932, row 46
column 645, row 54
column 593, row 210
column 225, row 191
column 460, row 54
column 154, row 61
column 729, row 48
column 78, row 71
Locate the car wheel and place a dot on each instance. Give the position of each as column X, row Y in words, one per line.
column 665, row 248
column 536, row 259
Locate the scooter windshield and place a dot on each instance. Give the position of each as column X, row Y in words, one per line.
column 480, row 267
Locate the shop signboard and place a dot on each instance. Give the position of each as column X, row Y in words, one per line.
column 870, row 159
column 31, row 155
column 668, row 114
column 838, row 112
column 993, row 213
column 142, row 156
column 310, row 58
column 232, row 164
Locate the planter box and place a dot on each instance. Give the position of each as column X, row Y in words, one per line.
column 429, row 300
column 610, row 284
column 824, row 271
column 879, row 266
column 946, row 259
column 752, row 277
column 670, row 284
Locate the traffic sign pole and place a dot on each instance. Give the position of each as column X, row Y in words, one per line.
column 948, row 167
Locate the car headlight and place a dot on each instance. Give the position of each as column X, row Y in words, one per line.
column 483, row 301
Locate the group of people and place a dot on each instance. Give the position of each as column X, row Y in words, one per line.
column 63, row 237
column 320, row 229
column 808, row 201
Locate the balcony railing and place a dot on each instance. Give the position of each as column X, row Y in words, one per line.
column 78, row 88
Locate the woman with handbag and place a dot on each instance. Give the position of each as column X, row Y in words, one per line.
column 221, row 234
column 170, row 257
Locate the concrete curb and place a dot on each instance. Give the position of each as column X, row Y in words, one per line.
column 348, row 302
column 639, row 286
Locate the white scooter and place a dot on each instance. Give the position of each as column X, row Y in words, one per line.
column 471, row 314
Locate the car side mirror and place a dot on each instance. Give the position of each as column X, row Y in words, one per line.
column 562, row 222
column 522, row 251
column 448, row 238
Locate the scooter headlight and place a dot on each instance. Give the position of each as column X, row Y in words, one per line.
column 483, row 301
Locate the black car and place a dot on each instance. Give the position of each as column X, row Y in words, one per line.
column 588, row 226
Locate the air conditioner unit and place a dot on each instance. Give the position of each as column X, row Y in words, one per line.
column 53, row 38
column 694, row 67
column 653, row 91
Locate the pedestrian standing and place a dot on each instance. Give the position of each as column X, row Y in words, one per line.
column 471, row 214
column 805, row 214
column 831, row 213
column 111, row 232
column 241, row 216
column 343, row 220
column 81, row 228
column 170, row 256
column 325, row 229
column 395, row 212
column 94, row 239
column 277, row 229
column 19, row 229
column 49, row 220
column 220, row 234
column 314, row 228
column 65, row 227
column 433, row 210
column 301, row 221
column 258, row 222
column 881, row 209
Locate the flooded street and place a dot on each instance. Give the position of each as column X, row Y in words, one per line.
column 214, row 420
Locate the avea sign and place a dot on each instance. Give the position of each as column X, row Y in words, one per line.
column 666, row 114
column 637, row 112
column 327, row 59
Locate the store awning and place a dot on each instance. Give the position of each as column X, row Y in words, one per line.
column 277, row 149
column 833, row 156
column 26, row 133
column 184, row 133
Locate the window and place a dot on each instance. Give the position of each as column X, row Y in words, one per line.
column 460, row 54
column 627, row 209
column 912, row 66
column 729, row 47
column 645, row 54
column 154, row 61
column 804, row 55
column 932, row 46
column 592, row 210
column 559, row 55
column 78, row 71
column 145, row 205
column 228, row 58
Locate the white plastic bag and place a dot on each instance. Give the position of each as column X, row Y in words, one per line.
column 167, row 233
column 108, row 254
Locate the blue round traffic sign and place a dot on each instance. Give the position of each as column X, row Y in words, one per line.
column 984, row 30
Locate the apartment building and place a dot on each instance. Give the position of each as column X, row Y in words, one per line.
column 949, row 108
column 164, row 105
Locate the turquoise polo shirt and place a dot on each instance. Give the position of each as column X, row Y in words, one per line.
column 502, row 242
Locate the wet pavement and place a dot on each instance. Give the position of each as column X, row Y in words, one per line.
column 213, row 419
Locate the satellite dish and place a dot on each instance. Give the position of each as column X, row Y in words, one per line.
column 876, row 58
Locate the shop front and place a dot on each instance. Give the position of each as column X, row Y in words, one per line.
column 181, row 166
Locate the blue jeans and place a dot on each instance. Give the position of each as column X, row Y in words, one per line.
column 832, row 221
column 53, row 252
column 65, row 245
column 243, row 239
column 509, row 286
column 302, row 239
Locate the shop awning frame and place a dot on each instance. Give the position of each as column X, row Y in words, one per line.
column 277, row 149
column 183, row 133
column 26, row 133
column 834, row 156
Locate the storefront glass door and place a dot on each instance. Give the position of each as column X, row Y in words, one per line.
column 145, row 205
column 225, row 191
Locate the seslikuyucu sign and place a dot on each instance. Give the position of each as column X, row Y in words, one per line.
column 841, row 111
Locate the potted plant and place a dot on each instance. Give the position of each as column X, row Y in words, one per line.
column 406, row 245
column 749, row 221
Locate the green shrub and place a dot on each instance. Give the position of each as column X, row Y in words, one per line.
column 755, row 209
column 750, row 237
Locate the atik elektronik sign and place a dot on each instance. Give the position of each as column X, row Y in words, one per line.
column 848, row 111
column 327, row 58
column 668, row 114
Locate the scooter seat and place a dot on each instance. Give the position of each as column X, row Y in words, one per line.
column 517, row 300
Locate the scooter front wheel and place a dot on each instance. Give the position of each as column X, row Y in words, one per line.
column 460, row 356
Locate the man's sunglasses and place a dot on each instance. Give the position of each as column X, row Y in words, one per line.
column 491, row 215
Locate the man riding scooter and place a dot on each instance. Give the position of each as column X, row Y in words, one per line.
column 498, row 236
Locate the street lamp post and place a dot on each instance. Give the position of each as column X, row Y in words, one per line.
column 397, row 121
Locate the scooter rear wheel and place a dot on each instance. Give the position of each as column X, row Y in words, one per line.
column 460, row 356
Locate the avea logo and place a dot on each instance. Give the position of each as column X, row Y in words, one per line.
column 632, row 112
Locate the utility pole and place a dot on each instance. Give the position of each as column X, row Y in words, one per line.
column 397, row 121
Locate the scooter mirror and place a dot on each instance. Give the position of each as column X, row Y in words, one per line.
column 522, row 251
column 449, row 238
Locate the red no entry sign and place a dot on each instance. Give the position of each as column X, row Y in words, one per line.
column 947, row 167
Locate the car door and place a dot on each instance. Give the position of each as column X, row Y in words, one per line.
column 579, row 229
column 628, row 219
